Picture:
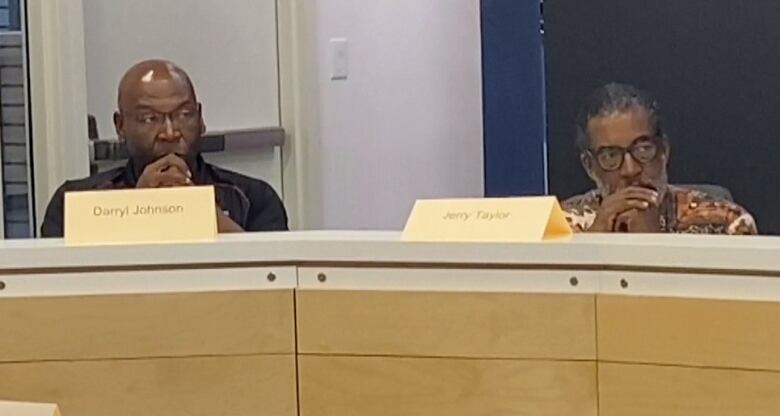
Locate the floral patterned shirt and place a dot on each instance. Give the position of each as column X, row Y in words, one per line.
column 683, row 210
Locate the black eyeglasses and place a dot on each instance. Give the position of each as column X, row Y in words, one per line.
column 644, row 150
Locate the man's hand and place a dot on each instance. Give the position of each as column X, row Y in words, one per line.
column 172, row 170
column 167, row 171
column 639, row 221
column 225, row 224
column 632, row 198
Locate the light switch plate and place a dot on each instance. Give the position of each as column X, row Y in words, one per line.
column 339, row 49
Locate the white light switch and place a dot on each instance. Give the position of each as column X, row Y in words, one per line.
column 339, row 49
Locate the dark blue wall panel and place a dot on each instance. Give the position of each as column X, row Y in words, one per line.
column 513, row 98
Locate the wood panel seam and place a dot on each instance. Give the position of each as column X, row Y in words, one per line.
column 596, row 349
column 144, row 358
column 444, row 357
column 689, row 366
column 296, row 347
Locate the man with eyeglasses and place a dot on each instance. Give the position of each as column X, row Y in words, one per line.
column 625, row 152
column 160, row 120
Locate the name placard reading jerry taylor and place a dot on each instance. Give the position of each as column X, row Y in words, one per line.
column 487, row 220
column 164, row 215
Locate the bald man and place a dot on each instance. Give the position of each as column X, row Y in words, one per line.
column 160, row 120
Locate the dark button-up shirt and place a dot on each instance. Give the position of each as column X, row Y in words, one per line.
column 251, row 203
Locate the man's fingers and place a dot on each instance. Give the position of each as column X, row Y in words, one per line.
column 618, row 207
column 173, row 177
column 179, row 164
column 171, row 161
column 160, row 163
column 638, row 204
column 641, row 194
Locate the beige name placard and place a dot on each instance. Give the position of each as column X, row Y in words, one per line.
column 28, row 409
column 139, row 216
column 525, row 219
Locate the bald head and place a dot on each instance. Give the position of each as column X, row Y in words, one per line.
column 151, row 73
column 158, row 112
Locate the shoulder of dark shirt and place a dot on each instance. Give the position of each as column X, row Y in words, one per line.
column 95, row 181
column 52, row 221
column 245, row 183
column 266, row 211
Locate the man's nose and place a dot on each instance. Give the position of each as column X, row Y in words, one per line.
column 630, row 166
column 169, row 131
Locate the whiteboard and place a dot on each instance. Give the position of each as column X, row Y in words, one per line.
column 228, row 47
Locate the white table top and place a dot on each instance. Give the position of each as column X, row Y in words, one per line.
column 612, row 251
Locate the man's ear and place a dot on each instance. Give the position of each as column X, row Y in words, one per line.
column 202, row 121
column 587, row 164
column 119, row 125
column 667, row 151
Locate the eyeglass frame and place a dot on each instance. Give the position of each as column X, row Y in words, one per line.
column 174, row 118
column 655, row 140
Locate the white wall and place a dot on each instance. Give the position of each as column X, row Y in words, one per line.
column 227, row 46
column 407, row 123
